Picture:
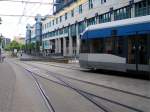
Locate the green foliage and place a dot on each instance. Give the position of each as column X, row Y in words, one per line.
column 30, row 46
column 14, row 45
column 1, row 40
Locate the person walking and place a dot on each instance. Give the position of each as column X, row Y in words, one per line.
column 0, row 55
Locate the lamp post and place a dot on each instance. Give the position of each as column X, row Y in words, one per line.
column 1, row 44
column 0, row 38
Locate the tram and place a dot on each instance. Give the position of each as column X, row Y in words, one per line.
column 119, row 45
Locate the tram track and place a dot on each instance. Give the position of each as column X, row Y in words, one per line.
column 51, row 108
column 87, row 95
column 91, row 83
column 41, row 90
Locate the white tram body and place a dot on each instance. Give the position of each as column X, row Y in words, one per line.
column 119, row 45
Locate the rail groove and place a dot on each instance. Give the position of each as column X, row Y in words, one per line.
column 82, row 92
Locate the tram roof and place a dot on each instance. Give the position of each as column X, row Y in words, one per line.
column 122, row 26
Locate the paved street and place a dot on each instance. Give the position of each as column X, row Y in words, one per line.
column 28, row 86
column 18, row 92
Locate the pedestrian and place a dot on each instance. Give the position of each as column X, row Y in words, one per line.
column 2, row 58
column 0, row 55
column 21, row 53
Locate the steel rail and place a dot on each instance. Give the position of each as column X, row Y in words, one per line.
column 45, row 97
column 82, row 92
column 95, row 84
column 41, row 90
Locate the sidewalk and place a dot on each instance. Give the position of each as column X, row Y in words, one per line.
column 7, row 84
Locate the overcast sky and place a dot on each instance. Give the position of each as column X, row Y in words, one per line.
column 14, row 26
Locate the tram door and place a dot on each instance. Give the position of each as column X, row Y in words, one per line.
column 137, row 50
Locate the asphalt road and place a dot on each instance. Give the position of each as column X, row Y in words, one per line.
column 53, row 87
column 18, row 92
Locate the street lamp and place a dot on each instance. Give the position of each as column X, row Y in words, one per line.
column 0, row 20
column 1, row 43
column 0, row 38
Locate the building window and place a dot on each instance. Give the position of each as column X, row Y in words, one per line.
column 56, row 20
column 66, row 30
column 53, row 22
column 122, row 13
column 61, row 31
column 105, row 17
column 73, row 30
column 45, row 26
column 72, row 13
column 103, row 1
column 142, row 8
column 91, row 21
column 60, row 18
column 49, row 24
column 65, row 16
column 80, row 9
column 90, row 4
column 81, row 27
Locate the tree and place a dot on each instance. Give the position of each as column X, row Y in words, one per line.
column 1, row 40
column 14, row 45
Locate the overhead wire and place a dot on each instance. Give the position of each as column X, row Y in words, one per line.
column 23, row 13
column 10, row 15
column 28, row 2
column 35, row 9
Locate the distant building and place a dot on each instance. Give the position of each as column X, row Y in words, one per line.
column 5, row 41
column 19, row 39
column 61, row 34
column 34, row 33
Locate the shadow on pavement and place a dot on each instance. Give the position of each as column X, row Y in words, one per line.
column 129, row 74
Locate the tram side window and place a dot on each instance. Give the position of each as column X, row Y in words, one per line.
column 84, row 47
column 114, row 45
column 96, row 46
column 110, row 45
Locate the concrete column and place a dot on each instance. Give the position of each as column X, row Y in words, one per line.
column 64, row 46
column 59, row 45
column 77, row 40
column 70, row 43
column 112, row 16
column 56, row 46
column 85, row 23
column 96, row 20
column 133, row 11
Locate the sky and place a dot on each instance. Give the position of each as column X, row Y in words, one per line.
column 15, row 25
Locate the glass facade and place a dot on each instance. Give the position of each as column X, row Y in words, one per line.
column 105, row 17
column 90, row 4
column 73, row 30
column 91, row 21
column 80, row 9
column 72, row 13
column 142, row 8
column 103, row 1
column 81, row 26
column 65, row 16
column 122, row 13
column 60, row 18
